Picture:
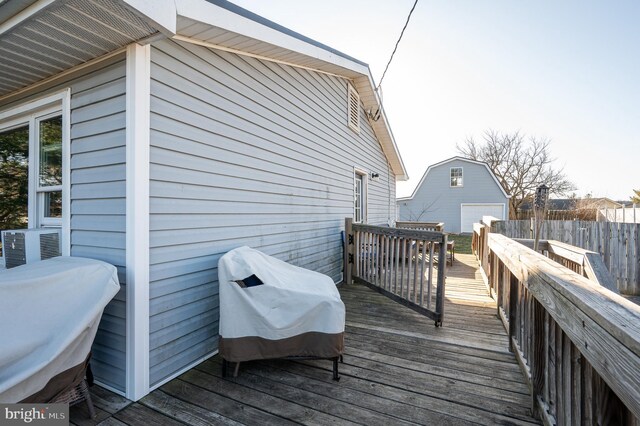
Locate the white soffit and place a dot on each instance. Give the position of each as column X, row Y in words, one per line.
column 204, row 21
column 50, row 37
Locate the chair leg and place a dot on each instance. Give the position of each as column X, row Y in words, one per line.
column 224, row 367
column 87, row 396
column 336, row 375
column 235, row 371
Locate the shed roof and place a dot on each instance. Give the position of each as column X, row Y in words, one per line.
column 41, row 39
column 449, row 160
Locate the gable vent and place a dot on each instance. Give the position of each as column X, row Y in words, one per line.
column 354, row 110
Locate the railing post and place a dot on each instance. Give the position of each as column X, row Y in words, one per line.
column 539, row 360
column 513, row 309
column 442, row 270
column 348, row 251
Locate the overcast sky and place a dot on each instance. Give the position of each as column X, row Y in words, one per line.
column 565, row 70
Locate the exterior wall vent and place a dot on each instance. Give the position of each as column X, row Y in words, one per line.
column 354, row 110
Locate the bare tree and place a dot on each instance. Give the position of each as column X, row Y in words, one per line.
column 635, row 198
column 520, row 163
column 416, row 215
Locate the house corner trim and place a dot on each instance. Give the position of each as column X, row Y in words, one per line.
column 138, row 82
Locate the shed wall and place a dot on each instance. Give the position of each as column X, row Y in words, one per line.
column 436, row 201
column 244, row 152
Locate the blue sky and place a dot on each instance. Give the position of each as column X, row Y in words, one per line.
column 565, row 70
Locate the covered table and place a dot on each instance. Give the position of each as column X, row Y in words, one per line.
column 49, row 315
column 271, row 309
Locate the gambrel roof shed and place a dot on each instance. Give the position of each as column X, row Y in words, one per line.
column 457, row 191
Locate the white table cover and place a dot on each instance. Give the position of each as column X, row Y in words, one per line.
column 49, row 315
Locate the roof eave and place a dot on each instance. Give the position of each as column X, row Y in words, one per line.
column 160, row 14
column 331, row 62
column 166, row 18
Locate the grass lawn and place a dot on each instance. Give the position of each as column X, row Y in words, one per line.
column 463, row 242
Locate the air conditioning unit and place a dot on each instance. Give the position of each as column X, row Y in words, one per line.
column 29, row 245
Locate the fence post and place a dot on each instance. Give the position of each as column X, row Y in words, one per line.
column 348, row 252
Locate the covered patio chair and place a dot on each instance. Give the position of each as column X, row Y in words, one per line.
column 271, row 309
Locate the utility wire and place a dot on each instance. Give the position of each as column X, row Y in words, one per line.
column 397, row 43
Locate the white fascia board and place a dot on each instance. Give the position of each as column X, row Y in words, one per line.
column 402, row 175
column 371, row 101
column 161, row 14
column 208, row 13
column 138, row 84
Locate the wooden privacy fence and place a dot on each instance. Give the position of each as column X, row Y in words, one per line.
column 577, row 342
column 407, row 265
column 617, row 243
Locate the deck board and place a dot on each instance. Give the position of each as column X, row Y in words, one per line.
column 398, row 369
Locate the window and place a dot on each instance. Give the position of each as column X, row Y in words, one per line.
column 360, row 197
column 31, row 165
column 456, row 176
column 353, row 108
column 49, row 165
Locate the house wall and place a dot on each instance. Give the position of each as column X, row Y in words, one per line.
column 436, row 201
column 98, row 192
column 244, row 152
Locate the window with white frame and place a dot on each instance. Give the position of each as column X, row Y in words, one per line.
column 360, row 197
column 32, row 142
column 456, row 176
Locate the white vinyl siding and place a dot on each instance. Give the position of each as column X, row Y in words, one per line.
column 243, row 152
column 97, row 175
column 98, row 201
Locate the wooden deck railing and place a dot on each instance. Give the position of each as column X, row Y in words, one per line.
column 577, row 342
column 583, row 262
column 587, row 263
column 424, row 226
column 399, row 263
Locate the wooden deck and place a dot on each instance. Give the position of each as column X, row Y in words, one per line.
column 398, row 369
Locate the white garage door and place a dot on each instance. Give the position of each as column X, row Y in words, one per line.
column 472, row 213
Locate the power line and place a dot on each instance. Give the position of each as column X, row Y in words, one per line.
column 397, row 43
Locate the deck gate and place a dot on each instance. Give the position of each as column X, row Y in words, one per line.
column 406, row 265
